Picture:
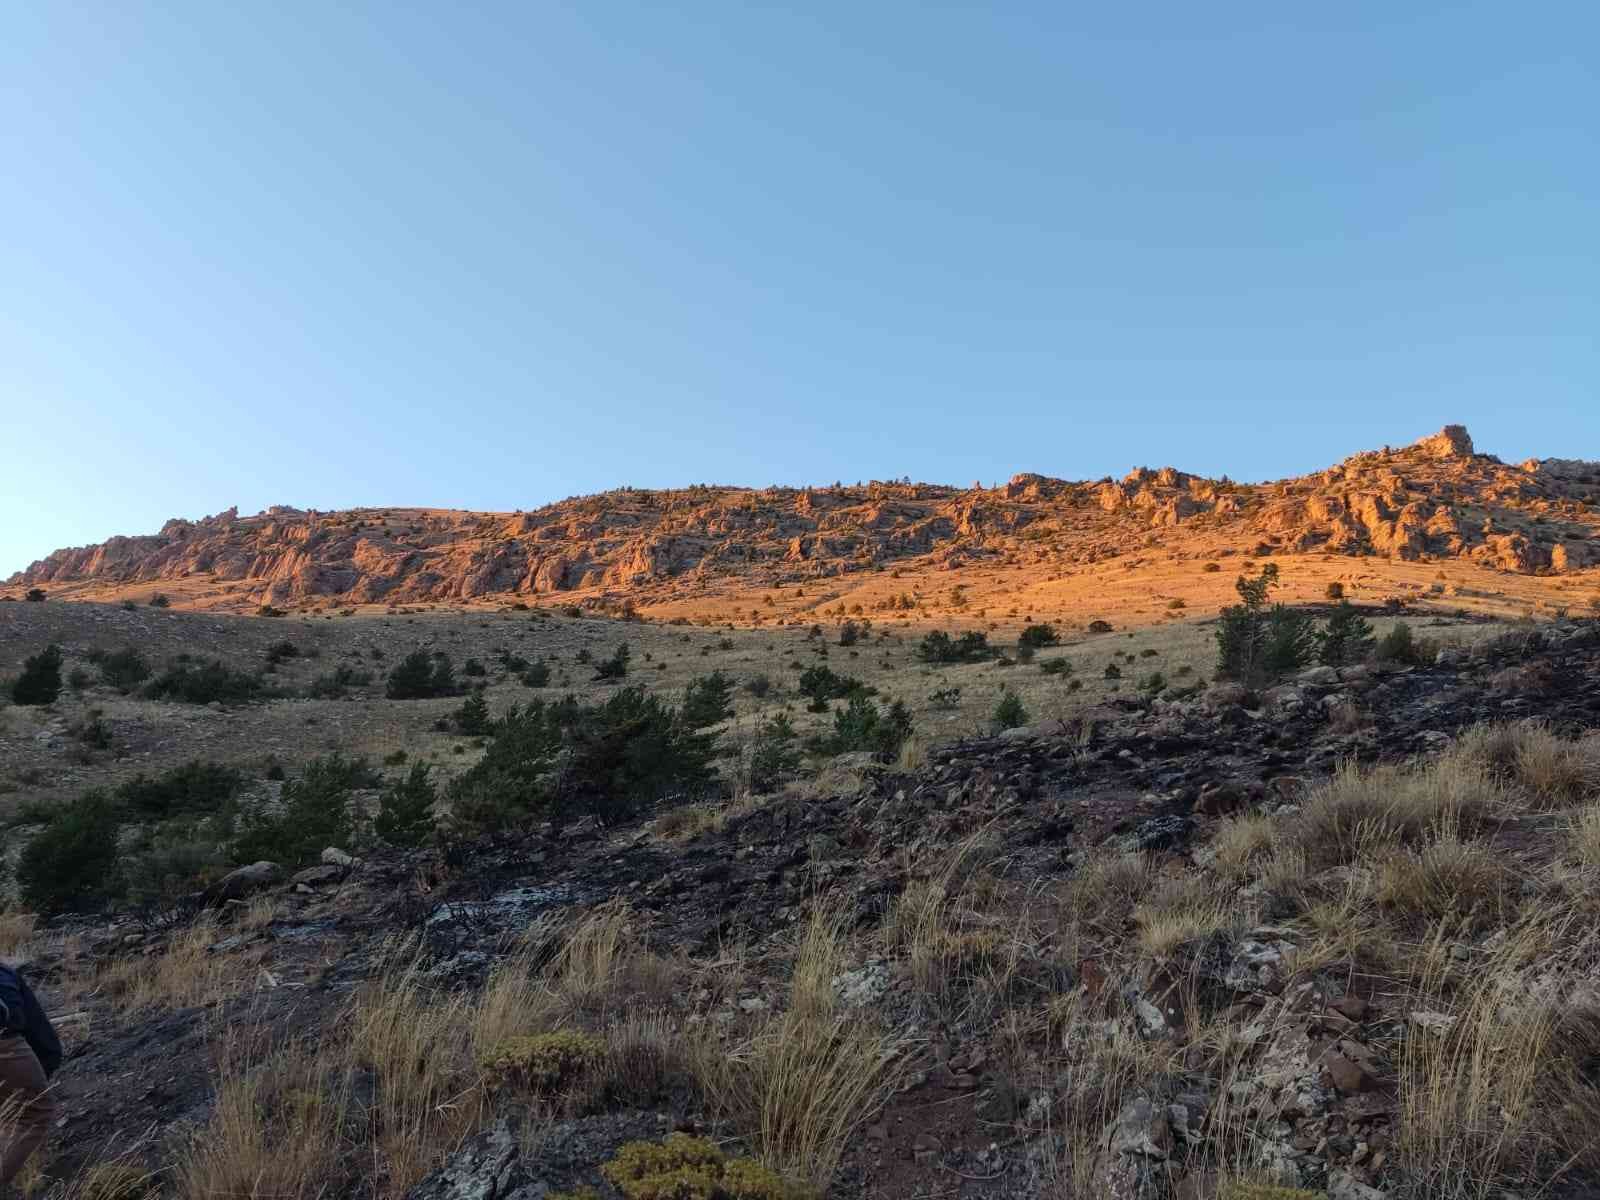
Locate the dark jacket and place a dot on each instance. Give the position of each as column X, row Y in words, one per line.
column 22, row 1014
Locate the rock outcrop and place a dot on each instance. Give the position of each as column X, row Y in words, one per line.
column 1435, row 499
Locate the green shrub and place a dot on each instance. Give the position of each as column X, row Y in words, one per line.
column 171, row 867
column 1402, row 646
column 1010, row 713
column 759, row 686
column 124, row 669
column 566, row 759
column 1055, row 666
column 537, row 674
column 691, row 1168
column 542, row 1063
column 405, row 809
column 35, row 595
column 862, row 725
column 78, row 679
column 1335, row 591
column 203, row 683
column 707, row 700
column 849, row 633
column 40, row 681
column 314, row 813
column 72, row 864
column 821, row 684
column 159, row 600
column 281, row 652
column 1037, row 637
column 940, row 647
column 193, row 788
column 615, row 667
column 421, row 676
column 473, row 668
column 945, row 698
column 1347, row 637
column 336, row 684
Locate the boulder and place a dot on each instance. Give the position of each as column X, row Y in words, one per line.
column 243, row 881
column 335, row 857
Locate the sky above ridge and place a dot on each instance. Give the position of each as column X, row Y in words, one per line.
column 487, row 256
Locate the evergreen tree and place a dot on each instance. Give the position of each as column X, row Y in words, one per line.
column 405, row 809
column 708, row 700
column 1347, row 638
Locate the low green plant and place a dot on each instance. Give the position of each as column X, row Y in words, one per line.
column 314, row 813
column 543, row 1063
column 690, row 1168
column 1010, row 713
column 614, row 668
column 863, row 725
column 204, row 683
column 195, row 788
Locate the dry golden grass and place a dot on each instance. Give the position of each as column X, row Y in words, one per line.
column 1241, row 842
column 1361, row 811
column 806, row 1079
column 16, row 931
column 183, row 973
column 414, row 1042
column 1585, row 836
column 1502, row 1090
column 278, row 1128
column 1184, row 909
column 1447, row 877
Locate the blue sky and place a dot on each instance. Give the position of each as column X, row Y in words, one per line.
column 488, row 256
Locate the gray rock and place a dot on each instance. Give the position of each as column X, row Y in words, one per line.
column 335, row 857
column 1344, row 1186
column 487, row 1167
column 1319, row 676
column 241, row 882
column 859, row 988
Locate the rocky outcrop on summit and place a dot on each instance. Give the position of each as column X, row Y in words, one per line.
column 1435, row 499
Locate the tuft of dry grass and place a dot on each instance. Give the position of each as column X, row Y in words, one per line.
column 414, row 1042
column 16, row 931
column 1184, row 909
column 1585, row 836
column 1240, row 842
column 275, row 1129
column 183, row 973
column 688, row 821
column 1503, row 1090
column 804, row 1081
column 1360, row 812
column 1447, row 877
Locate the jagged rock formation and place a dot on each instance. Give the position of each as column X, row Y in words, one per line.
column 1435, row 499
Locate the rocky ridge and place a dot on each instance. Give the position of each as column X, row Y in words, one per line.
column 1436, row 499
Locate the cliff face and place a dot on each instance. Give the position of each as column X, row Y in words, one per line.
column 1434, row 499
